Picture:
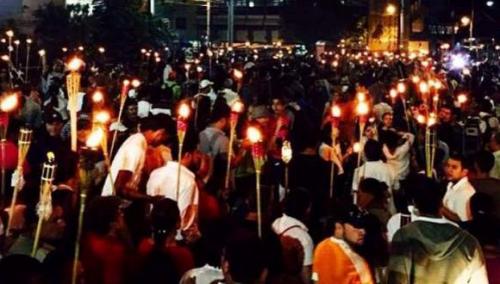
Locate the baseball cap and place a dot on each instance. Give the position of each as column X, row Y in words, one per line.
column 51, row 116
column 259, row 112
column 205, row 83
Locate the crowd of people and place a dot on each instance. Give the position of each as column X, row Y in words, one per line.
column 355, row 204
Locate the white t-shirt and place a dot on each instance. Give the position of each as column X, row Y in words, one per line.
column 203, row 275
column 293, row 228
column 399, row 161
column 163, row 182
column 377, row 170
column 130, row 157
column 457, row 199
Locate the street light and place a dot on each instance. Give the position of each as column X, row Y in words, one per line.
column 390, row 9
column 490, row 3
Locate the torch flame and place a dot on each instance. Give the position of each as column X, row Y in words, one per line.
column 432, row 120
column 136, row 83
column 393, row 93
column 336, row 111
column 238, row 74
column 237, row 107
column 424, row 87
column 184, row 111
column 8, row 103
column 75, row 64
column 421, row 119
column 356, row 147
column 9, row 33
column 95, row 138
column 361, row 96
column 97, row 97
column 102, row 117
column 401, row 87
column 41, row 52
column 415, row 79
column 462, row 98
column 254, row 135
column 362, row 109
column 286, row 152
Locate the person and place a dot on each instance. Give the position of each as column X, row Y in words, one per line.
column 483, row 183
column 163, row 182
column 372, row 197
column 335, row 259
column 375, row 168
column 126, row 168
column 243, row 261
column 495, row 149
column 456, row 201
column 432, row 249
column 397, row 149
column 164, row 260
column 202, row 104
column 290, row 224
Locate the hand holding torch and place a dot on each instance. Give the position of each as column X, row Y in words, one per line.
column 286, row 157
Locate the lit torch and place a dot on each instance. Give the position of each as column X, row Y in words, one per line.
column 255, row 137
column 23, row 142
column 336, row 114
column 236, row 110
column 73, row 87
column 123, row 98
column 44, row 208
column 182, row 124
column 286, row 157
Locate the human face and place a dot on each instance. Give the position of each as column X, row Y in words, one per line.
column 155, row 137
column 445, row 115
column 132, row 112
column 54, row 128
column 387, row 120
column 354, row 236
column 363, row 199
column 278, row 107
column 454, row 170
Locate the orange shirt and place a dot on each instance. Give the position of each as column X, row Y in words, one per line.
column 336, row 263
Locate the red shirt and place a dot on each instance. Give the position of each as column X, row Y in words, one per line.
column 181, row 256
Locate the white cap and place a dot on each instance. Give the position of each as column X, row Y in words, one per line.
column 205, row 83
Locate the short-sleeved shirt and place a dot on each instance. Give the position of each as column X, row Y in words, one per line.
column 213, row 142
column 293, row 228
column 130, row 157
column 457, row 199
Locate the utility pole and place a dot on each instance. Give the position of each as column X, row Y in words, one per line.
column 152, row 7
column 230, row 22
column 208, row 22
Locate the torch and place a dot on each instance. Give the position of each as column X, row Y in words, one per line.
column 362, row 110
column 123, row 98
column 336, row 113
column 43, row 59
column 10, row 35
column 286, row 157
column 7, row 104
column 85, row 172
column 255, row 137
column 44, row 208
column 236, row 110
column 401, row 90
column 182, row 124
column 238, row 75
column 101, row 118
column 28, row 47
column 24, row 142
column 73, row 87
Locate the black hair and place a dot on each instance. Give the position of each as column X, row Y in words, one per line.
column 101, row 213
column 374, row 187
column 426, row 194
column 21, row 269
column 155, row 122
column 464, row 161
column 246, row 257
column 373, row 150
column 220, row 110
column 484, row 161
column 164, row 219
column 391, row 139
column 297, row 203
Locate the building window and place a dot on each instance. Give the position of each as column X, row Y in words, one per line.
column 180, row 23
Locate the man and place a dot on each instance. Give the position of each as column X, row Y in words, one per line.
column 431, row 249
column 483, row 183
column 456, row 201
column 128, row 163
column 375, row 168
column 495, row 148
column 203, row 102
column 163, row 182
column 297, row 207
column 335, row 260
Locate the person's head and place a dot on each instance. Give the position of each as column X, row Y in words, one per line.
column 153, row 128
column 261, row 114
column 278, row 106
column 53, row 123
column 495, row 142
column 445, row 114
column 131, row 110
column 373, row 150
column 349, row 225
column 426, row 194
column 387, row 119
column 84, row 127
column 219, row 117
column 457, row 167
column 165, row 220
column 206, row 86
column 297, row 204
column 484, row 162
column 243, row 258
column 104, row 216
column 21, row 269
column 192, row 158
column 391, row 139
column 371, row 190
